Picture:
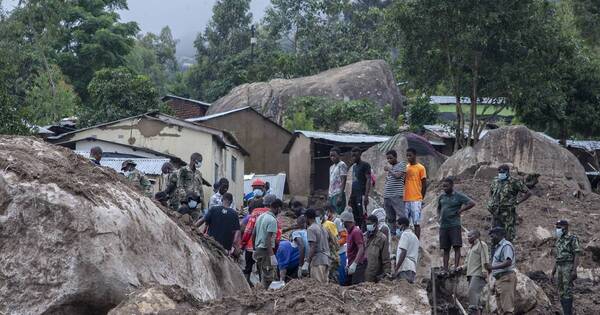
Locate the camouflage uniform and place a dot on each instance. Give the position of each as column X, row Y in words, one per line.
column 139, row 179
column 567, row 246
column 167, row 181
column 189, row 181
column 503, row 204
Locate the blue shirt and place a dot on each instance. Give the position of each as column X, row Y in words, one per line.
column 288, row 257
column 301, row 234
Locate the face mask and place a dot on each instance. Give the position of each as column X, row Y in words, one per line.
column 370, row 227
column 126, row 173
column 559, row 232
column 502, row 176
column 294, row 245
column 258, row 193
column 399, row 231
column 192, row 204
column 198, row 165
column 318, row 220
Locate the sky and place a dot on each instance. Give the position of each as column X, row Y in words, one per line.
column 186, row 18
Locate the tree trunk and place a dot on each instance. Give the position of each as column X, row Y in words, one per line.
column 460, row 123
column 471, row 140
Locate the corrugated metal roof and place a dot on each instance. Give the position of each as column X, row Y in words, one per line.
column 205, row 118
column 588, row 145
column 146, row 166
column 187, row 99
column 443, row 99
column 445, row 131
column 343, row 137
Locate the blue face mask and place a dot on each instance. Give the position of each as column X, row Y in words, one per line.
column 192, row 204
column 502, row 176
column 399, row 232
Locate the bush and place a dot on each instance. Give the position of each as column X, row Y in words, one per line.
column 421, row 112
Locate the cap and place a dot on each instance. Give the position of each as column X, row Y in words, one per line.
column 127, row 162
column 258, row 182
column 380, row 214
column 497, row 230
column 269, row 199
column 347, row 217
column 562, row 223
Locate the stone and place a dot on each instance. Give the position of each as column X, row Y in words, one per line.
column 542, row 234
column 527, row 151
column 76, row 238
column 157, row 300
column 528, row 297
column 369, row 79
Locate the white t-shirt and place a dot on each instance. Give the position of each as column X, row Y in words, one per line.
column 336, row 171
column 410, row 243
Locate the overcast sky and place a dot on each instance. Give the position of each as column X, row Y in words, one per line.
column 185, row 17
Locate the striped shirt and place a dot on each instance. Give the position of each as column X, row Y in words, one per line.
column 394, row 187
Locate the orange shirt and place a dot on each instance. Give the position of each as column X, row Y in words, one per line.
column 413, row 185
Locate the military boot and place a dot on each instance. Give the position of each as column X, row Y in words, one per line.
column 567, row 306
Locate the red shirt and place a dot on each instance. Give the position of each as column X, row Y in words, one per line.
column 355, row 242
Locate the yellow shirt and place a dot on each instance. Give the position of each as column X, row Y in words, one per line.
column 413, row 184
column 331, row 228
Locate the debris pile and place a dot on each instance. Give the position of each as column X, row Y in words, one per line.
column 77, row 239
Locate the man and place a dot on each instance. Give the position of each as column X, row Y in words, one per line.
column 378, row 255
column 567, row 252
column 288, row 261
column 504, row 192
column 222, row 188
column 342, row 237
column 318, row 252
column 224, row 225
column 190, row 205
column 361, row 186
column 136, row 177
column 393, row 192
column 96, row 155
column 380, row 213
column 415, row 187
column 190, row 179
column 338, row 173
column 502, row 269
column 264, row 240
column 298, row 208
column 258, row 190
column 168, row 184
column 407, row 254
column 331, row 228
column 300, row 241
column 477, row 257
column 355, row 249
column 451, row 204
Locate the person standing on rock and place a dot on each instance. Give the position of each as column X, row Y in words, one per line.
column 378, row 253
column 264, row 239
column 168, row 184
column 407, row 254
column 190, row 179
column 393, row 193
column 224, row 225
column 502, row 269
column 136, row 177
column 451, row 204
column 504, row 192
column 477, row 257
column 318, row 243
column 567, row 252
column 361, row 186
column 357, row 260
column 415, row 187
column 96, row 155
column 338, row 172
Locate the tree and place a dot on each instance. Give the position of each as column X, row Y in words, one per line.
column 119, row 93
column 421, row 112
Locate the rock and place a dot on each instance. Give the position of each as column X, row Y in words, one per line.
column 369, row 79
column 529, row 296
column 353, row 127
column 77, row 239
column 542, row 234
column 593, row 246
column 158, row 300
column 527, row 151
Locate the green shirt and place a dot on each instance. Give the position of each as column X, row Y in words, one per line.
column 266, row 223
column 448, row 206
column 567, row 246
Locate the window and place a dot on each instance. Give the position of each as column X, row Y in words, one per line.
column 233, row 167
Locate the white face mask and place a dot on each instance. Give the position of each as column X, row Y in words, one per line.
column 198, row 165
column 126, row 173
column 399, row 231
column 318, row 220
column 370, row 227
column 294, row 245
column 258, row 193
column 559, row 232
column 192, row 204
column 502, row 176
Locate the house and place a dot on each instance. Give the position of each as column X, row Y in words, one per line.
column 223, row 155
column 184, row 108
column 309, row 158
column 263, row 138
column 443, row 137
column 447, row 107
column 588, row 154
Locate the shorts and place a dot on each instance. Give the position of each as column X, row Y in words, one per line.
column 450, row 237
column 412, row 210
column 336, row 200
column 394, row 209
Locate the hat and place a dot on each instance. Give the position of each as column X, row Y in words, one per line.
column 127, row 162
column 380, row 214
column 269, row 199
column 562, row 223
column 258, row 182
column 347, row 217
column 497, row 230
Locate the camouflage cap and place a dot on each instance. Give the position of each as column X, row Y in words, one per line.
column 127, row 162
column 562, row 223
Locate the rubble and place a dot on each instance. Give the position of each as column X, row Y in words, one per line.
column 76, row 238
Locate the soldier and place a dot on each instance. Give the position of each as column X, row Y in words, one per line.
column 168, row 185
column 503, row 200
column 190, row 179
column 567, row 250
column 136, row 177
column 96, row 155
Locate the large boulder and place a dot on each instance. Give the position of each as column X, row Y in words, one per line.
column 527, row 151
column 76, row 238
column 529, row 297
column 370, row 79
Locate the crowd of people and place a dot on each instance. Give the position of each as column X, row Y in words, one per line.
column 340, row 242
